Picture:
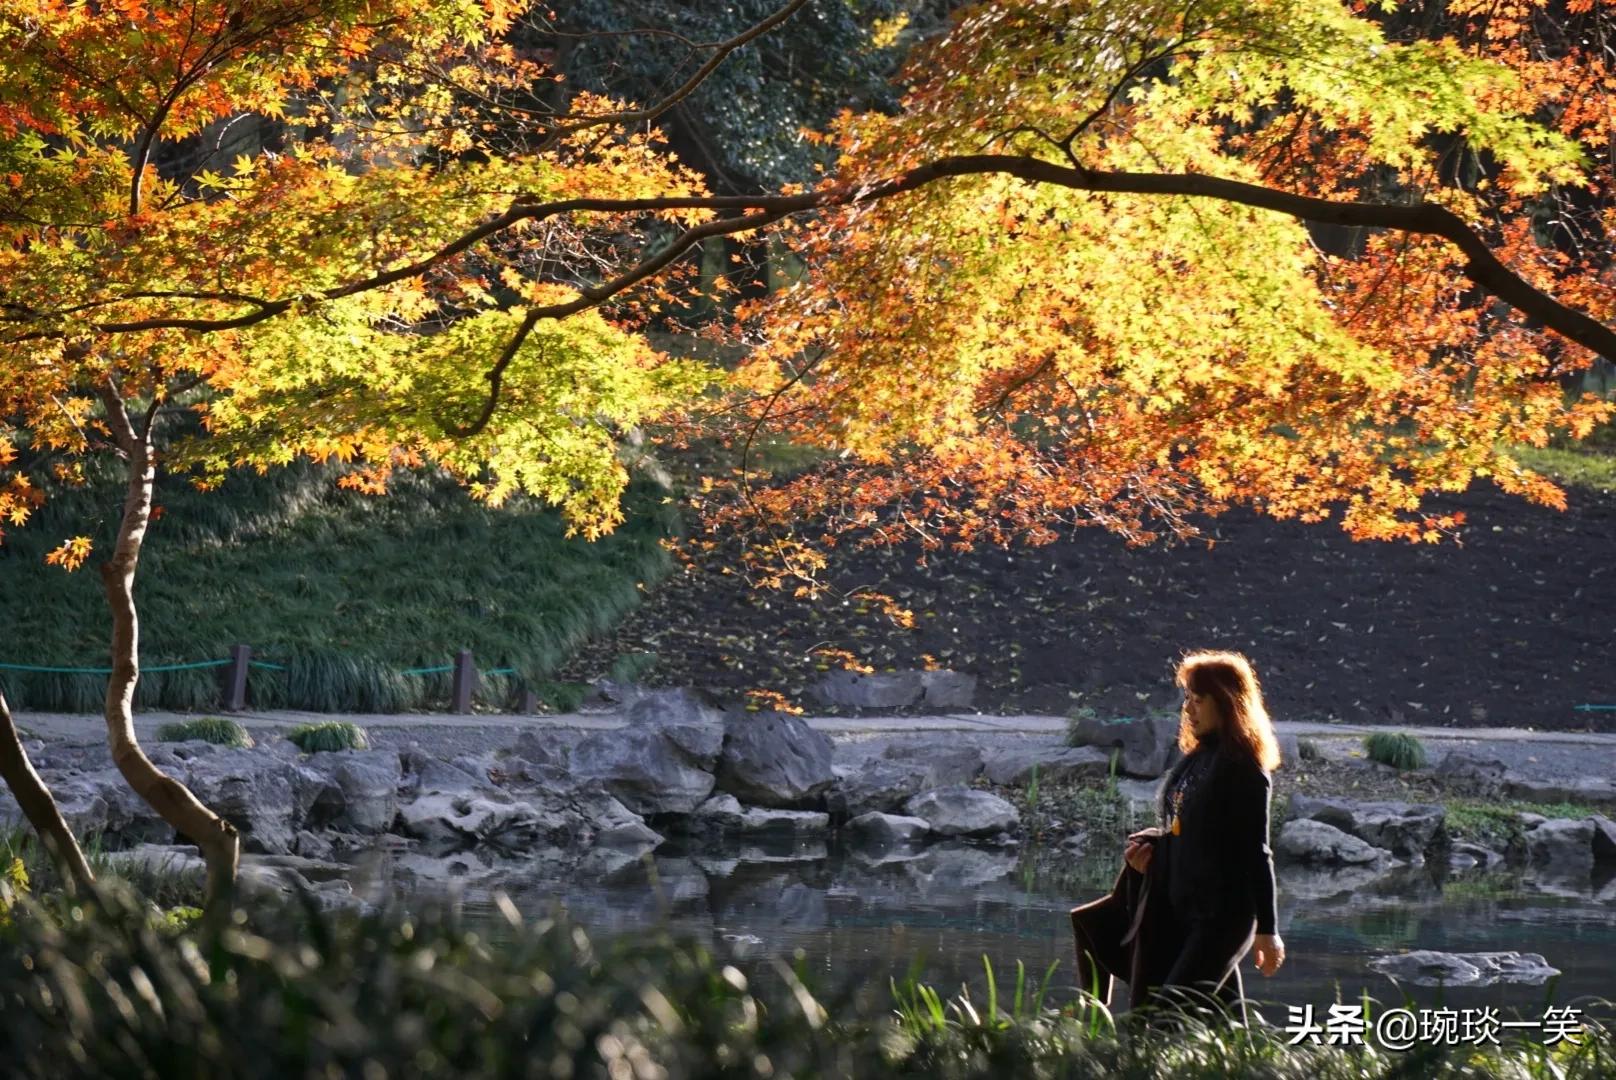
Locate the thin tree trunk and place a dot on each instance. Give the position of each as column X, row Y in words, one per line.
column 40, row 809
column 219, row 843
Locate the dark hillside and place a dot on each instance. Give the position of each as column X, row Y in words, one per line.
column 1512, row 627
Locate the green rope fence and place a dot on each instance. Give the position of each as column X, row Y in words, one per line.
column 235, row 694
column 108, row 671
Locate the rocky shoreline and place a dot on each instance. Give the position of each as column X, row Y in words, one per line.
column 682, row 773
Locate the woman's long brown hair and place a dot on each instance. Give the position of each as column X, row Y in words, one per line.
column 1227, row 677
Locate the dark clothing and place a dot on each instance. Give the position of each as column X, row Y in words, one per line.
column 1208, row 890
column 1219, row 864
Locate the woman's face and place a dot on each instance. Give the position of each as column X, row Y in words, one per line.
column 1202, row 712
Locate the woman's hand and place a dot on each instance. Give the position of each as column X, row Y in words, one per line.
column 1137, row 853
column 1269, row 952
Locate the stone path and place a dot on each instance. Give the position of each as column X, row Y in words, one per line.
column 74, row 725
column 1546, row 754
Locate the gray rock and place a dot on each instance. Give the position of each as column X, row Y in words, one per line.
column 1290, row 750
column 959, row 866
column 964, row 812
column 612, row 824
column 541, row 748
column 1406, row 829
column 257, row 875
column 449, row 820
column 1604, row 846
column 878, row 787
column 1470, row 854
column 857, row 690
column 1318, row 882
column 1563, row 847
column 888, row 830
column 944, row 763
column 1310, row 841
column 647, row 766
column 1426, row 967
column 79, row 799
column 773, row 759
column 1579, row 789
column 903, row 771
column 1014, row 767
column 681, row 706
column 724, row 814
column 947, row 689
column 265, row 796
column 359, row 793
column 1148, row 744
column 425, row 773
column 130, row 819
column 480, row 766
column 313, row 845
column 1478, row 769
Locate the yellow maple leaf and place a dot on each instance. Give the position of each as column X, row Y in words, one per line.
column 71, row 554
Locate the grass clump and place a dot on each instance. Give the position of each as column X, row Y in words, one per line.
column 631, row 667
column 1308, row 750
column 328, row 736
column 209, row 729
column 562, row 697
column 1395, row 748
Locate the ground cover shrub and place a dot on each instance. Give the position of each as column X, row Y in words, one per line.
column 338, row 593
column 1308, row 750
column 114, row 987
column 211, row 729
column 1395, row 748
column 327, row 736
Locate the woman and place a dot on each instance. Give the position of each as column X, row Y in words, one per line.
column 1205, row 895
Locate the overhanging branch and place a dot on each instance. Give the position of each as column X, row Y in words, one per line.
column 1482, row 266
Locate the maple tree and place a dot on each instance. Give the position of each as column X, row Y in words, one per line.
column 1049, row 339
column 1067, row 280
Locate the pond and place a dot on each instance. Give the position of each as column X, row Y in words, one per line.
column 859, row 918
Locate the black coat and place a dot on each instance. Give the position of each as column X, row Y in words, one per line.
column 1217, row 873
column 1220, row 865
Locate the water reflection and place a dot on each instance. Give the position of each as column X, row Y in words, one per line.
column 861, row 916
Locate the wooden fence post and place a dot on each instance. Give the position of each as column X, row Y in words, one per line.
column 235, row 678
column 526, row 700
column 465, row 681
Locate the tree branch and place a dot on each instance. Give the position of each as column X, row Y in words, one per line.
column 1482, row 266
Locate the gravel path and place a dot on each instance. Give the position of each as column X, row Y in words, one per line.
column 1537, row 754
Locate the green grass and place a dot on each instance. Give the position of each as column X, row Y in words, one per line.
column 209, row 729
column 1395, row 748
column 342, row 591
column 1496, row 823
column 331, row 735
column 1590, row 469
column 631, row 667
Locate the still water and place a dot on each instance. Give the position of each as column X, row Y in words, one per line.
column 939, row 911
